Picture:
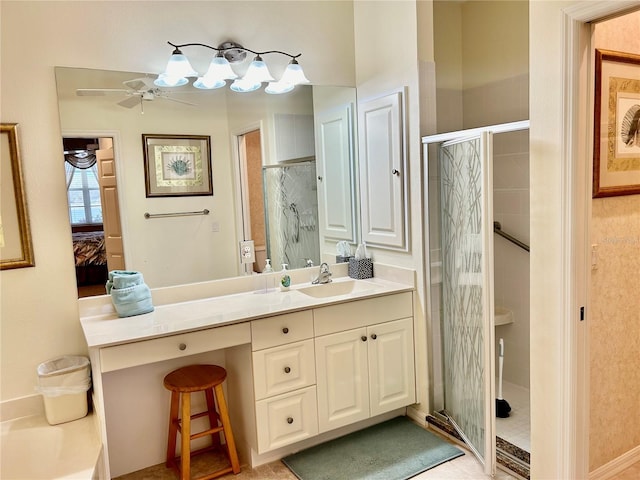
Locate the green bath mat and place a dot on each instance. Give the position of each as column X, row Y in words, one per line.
column 393, row 450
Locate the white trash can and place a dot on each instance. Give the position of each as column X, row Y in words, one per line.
column 64, row 382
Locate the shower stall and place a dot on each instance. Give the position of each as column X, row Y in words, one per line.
column 291, row 214
column 477, row 289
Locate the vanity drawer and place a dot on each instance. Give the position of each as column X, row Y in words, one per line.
column 281, row 329
column 287, row 418
column 283, row 369
column 345, row 316
column 174, row 346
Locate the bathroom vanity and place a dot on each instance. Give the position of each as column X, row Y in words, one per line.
column 304, row 366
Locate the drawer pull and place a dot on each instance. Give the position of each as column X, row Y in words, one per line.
column 374, row 336
column 363, row 338
column 285, row 330
column 287, row 370
column 289, row 420
column 182, row 346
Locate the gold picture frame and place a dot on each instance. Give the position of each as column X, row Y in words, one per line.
column 616, row 139
column 177, row 165
column 16, row 248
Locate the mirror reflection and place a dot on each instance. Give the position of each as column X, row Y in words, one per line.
column 266, row 178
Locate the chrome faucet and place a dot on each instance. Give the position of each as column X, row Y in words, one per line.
column 324, row 276
column 308, row 262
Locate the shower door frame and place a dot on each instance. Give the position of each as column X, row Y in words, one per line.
column 489, row 458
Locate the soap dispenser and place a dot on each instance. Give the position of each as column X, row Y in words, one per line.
column 285, row 279
column 267, row 267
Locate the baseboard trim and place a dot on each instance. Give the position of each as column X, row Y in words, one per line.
column 21, row 407
column 617, row 465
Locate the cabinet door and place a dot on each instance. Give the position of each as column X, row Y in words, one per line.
column 391, row 365
column 382, row 154
column 294, row 136
column 342, row 378
column 335, row 167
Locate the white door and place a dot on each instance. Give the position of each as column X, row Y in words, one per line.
column 467, row 291
column 335, row 169
column 342, row 378
column 382, row 171
column 391, row 366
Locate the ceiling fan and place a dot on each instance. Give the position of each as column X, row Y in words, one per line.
column 137, row 90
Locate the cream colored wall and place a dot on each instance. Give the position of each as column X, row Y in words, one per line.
column 614, row 321
column 38, row 305
column 387, row 59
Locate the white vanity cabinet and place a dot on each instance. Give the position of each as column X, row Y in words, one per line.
column 364, row 359
column 284, row 379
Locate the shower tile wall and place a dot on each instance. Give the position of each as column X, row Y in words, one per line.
column 511, row 209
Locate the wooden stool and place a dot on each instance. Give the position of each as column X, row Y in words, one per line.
column 182, row 383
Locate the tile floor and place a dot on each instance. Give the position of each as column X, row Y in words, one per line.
column 516, row 428
column 465, row 467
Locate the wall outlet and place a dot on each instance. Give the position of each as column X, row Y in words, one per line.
column 247, row 252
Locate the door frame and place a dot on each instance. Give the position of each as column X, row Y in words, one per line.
column 243, row 220
column 117, row 153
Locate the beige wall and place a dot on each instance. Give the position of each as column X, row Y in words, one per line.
column 38, row 305
column 615, row 302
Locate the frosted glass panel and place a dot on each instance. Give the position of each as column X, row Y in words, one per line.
column 463, row 287
column 291, row 206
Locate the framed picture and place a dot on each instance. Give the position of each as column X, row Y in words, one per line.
column 616, row 139
column 177, row 165
column 16, row 249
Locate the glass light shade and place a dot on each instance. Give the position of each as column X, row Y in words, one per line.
column 220, row 69
column 293, row 74
column 243, row 86
column 164, row 80
column 205, row 83
column 276, row 88
column 179, row 66
column 258, row 72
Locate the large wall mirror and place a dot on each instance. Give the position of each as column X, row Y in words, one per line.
column 283, row 168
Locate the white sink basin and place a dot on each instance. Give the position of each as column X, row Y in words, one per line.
column 503, row 316
column 334, row 289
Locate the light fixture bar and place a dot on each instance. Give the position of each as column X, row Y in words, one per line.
column 179, row 69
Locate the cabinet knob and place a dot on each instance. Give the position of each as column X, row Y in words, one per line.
column 289, row 420
column 395, row 171
column 363, row 338
column 374, row 336
column 182, row 346
column 287, row 370
column 285, row 330
column 319, row 178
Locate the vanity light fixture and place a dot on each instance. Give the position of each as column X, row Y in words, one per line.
column 179, row 70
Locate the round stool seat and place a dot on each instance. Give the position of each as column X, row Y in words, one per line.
column 194, row 378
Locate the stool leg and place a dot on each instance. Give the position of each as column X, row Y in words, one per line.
column 173, row 429
column 226, row 424
column 185, row 438
column 213, row 416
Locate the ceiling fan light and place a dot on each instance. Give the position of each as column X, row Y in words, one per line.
column 293, row 74
column 276, row 88
column 243, row 86
column 258, row 71
column 205, row 83
column 165, row 80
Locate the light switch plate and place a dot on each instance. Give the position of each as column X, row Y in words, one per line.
column 247, row 252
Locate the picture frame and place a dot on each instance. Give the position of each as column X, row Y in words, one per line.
column 177, row 165
column 616, row 139
column 16, row 247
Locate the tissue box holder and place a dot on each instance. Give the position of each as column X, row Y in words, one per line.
column 341, row 259
column 360, row 269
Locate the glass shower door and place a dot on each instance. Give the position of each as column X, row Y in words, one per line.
column 467, row 292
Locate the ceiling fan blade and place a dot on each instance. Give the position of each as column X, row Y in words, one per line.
column 83, row 92
column 139, row 84
column 130, row 102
